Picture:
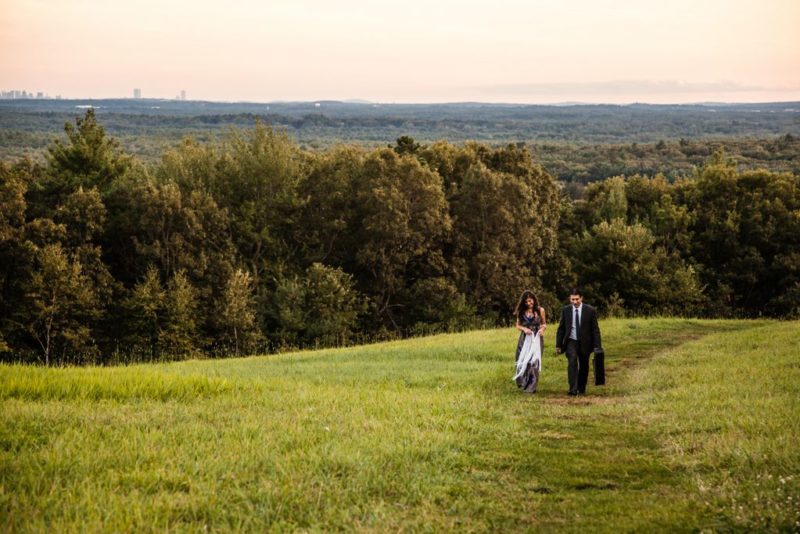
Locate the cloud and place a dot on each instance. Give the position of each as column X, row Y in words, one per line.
column 617, row 87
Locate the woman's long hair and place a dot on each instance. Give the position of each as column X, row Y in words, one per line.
column 519, row 311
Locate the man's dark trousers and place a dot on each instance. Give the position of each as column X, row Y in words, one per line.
column 577, row 367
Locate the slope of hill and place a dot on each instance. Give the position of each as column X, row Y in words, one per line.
column 696, row 429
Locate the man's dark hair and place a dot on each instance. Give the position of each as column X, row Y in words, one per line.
column 576, row 291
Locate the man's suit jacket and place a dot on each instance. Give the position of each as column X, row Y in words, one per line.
column 588, row 330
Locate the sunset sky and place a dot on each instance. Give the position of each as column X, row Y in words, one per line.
column 525, row 51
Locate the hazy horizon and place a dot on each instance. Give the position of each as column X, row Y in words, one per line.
column 509, row 51
column 357, row 101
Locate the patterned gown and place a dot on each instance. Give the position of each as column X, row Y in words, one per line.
column 528, row 381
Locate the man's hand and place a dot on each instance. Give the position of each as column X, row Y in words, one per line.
column 558, row 350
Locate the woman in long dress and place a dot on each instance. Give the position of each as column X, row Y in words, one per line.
column 531, row 321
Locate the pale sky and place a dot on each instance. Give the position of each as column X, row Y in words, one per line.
column 523, row 51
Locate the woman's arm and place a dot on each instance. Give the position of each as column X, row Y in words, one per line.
column 522, row 328
column 543, row 315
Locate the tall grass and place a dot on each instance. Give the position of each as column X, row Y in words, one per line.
column 727, row 409
column 71, row 384
column 424, row 434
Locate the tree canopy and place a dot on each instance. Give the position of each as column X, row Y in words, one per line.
column 254, row 243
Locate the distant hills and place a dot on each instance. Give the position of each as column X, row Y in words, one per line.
column 32, row 123
column 157, row 106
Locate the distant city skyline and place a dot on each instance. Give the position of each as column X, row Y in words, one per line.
column 517, row 51
column 22, row 94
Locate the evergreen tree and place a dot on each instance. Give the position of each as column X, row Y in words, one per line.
column 88, row 158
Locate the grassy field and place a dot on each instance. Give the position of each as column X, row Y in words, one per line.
column 697, row 429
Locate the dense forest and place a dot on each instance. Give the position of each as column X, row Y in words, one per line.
column 255, row 242
column 575, row 143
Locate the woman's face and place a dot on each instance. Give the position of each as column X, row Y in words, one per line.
column 529, row 302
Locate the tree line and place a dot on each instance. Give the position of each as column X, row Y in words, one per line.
column 255, row 244
column 581, row 164
column 576, row 143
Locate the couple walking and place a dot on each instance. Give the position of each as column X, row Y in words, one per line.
column 578, row 335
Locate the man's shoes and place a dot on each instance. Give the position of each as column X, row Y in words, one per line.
column 572, row 393
column 582, row 392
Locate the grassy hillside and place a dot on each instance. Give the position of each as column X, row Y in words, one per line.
column 697, row 428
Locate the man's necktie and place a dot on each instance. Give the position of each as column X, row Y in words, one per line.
column 577, row 323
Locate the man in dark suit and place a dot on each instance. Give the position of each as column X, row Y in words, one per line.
column 577, row 336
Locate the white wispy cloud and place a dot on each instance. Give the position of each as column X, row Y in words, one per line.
column 616, row 87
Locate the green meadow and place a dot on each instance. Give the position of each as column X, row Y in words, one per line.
column 697, row 429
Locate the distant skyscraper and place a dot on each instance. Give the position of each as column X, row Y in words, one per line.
column 137, row 93
column 183, row 94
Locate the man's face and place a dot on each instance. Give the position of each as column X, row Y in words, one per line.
column 576, row 300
